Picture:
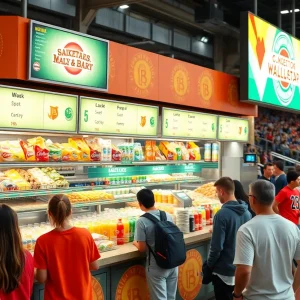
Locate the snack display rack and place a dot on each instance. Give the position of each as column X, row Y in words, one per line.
column 31, row 204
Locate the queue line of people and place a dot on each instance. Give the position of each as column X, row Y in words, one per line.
column 254, row 242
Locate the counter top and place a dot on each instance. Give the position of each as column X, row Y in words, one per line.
column 128, row 251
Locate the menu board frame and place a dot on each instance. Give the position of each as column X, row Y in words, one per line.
column 232, row 140
column 185, row 137
column 115, row 134
column 42, row 130
column 62, row 83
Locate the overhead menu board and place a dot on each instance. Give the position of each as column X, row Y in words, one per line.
column 68, row 58
column 270, row 64
column 188, row 124
column 23, row 109
column 233, row 129
column 115, row 118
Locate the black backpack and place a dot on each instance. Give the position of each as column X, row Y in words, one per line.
column 169, row 251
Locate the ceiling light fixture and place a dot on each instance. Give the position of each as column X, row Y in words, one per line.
column 204, row 39
column 284, row 12
column 124, row 6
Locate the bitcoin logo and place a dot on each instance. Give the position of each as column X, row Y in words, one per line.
column 189, row 278
column 205, row 88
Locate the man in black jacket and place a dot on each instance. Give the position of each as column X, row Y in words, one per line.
column 233, row 214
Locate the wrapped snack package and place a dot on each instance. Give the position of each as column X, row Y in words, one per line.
column 14, row 176
column 116, row 153
column 80, row 144
column 158, row 155
column 28, row 151
column 194, row 151
column 55, row 152
column 7, row 185
column 58, row 179
column 11, row 151
column 69, row 153
column 95, row 148
column 41, row 152
column 40, row 177
column 184, row 151
column 29, row 178
column 168, row 150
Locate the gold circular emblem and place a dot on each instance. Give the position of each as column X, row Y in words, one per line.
column 142, row 74
column 133, row 285
column 189, row 277
column 97, row 290
column 180, row 81
column 206, row 88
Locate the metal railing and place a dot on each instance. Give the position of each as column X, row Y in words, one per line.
column 266, row 145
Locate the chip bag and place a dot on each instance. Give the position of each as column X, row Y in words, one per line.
column 28, row 151
column 95, row 148
column 11, row 151
column 41, row 152
column 80, row 144
column 116, row 153
column 69, row 153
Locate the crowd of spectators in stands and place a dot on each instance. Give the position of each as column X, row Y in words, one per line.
column 277, row 131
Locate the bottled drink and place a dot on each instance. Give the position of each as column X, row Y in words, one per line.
column 132, row 229
column 200, row 222
column 196, row 218
column 120, row 232
column 126, row 230
column 211, row 214
column 192, row 222
column 207, row 215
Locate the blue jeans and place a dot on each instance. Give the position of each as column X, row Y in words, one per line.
column 162, row 283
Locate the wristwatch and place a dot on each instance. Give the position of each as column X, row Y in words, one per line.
column 237, row 296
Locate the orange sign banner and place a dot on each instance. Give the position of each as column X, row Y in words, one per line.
column 137, row 73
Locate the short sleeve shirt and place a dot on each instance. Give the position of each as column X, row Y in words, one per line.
column 289, row 205
column 144, row 232
column 268, row 244
column 66, row 255
column 24, row 290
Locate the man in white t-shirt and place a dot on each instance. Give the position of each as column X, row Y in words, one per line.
column 265, row 249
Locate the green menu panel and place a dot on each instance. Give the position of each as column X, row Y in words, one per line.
column 97, row 172
column 115, row 118
column 68, row 58
column 37, row 110
column 233, row 129
column 188, row 124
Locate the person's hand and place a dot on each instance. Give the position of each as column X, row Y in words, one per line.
column 135, row 243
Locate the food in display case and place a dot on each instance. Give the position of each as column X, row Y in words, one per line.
column 28, row 151
column 89, row 196
column 58, row 179
column 44, row 181
column 168, row 151
column 55, row 152
column 208, row 190
column 40, row 149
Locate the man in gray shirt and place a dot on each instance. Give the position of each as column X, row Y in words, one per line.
column 162, row 283
column 265, row 249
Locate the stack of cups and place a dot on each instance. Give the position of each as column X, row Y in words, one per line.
column 182, row 220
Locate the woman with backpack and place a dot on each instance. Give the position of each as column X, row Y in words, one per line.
column 16, row 264
column 65, row 256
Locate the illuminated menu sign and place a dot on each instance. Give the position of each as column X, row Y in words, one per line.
column 188, row 124
column 233, row 129
column 114, row 118
column 23, row 109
